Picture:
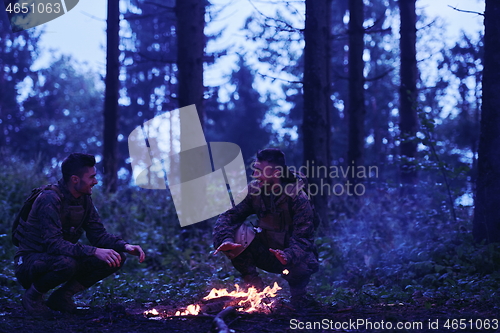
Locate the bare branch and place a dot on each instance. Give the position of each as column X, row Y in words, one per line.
column 279, row 79
column 378, row 77
column 340, row 76
column 134, row 16
column 219, row 323
column 160, row 60
column 160, row 5
column 465, row 11
column 93, row 17
column 214, row 14
column 369, row 31
column 289, row 27
column 427, row 25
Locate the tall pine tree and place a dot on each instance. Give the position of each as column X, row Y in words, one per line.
column 486, row 220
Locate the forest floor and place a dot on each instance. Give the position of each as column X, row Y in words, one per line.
column 467, row 317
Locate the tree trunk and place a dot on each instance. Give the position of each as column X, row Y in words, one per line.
column 357, row 109
column 111, row 96
column 486, row 224
column 190, row 53
column 408, row 91
column 317, row 102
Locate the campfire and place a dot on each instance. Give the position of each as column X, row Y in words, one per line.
column 217, row 300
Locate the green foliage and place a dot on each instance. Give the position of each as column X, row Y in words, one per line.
column 382, row 248
column 149, row 52
column 241, row 119
column 63, row 111
column 13, row 192
column 18, row 52
column 404, row 249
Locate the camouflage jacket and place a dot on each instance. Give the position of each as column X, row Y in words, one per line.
column 47, row 231
column 300, row 234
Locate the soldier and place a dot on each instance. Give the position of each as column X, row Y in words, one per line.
column 284, row 237
column 49, row 253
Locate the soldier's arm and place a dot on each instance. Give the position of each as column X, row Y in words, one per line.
column 97, row 234
column 302, row 239
column 46, row 210
column 229, row 221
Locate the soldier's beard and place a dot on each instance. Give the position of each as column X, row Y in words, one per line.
column 83, row 188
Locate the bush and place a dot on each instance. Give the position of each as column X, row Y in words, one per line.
column 380, row 248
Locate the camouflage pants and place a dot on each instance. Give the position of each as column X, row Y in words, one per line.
column 257, row 255
column 46, row 271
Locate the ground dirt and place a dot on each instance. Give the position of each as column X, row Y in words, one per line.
column 382, row 318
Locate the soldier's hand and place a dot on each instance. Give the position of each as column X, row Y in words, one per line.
column 135, row 250
column 280, row 255
column 227, row 246
column 111, row 257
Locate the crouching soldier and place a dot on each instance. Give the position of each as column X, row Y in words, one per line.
column 283, row 240
column 49, row 253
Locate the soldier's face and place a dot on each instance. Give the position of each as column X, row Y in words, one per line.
column 265, row 172
column 87, row 181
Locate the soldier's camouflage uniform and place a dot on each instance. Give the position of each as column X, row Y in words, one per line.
column 287, row 224
column 49, row 253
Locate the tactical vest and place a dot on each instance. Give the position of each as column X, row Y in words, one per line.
column 29, row 232
column 275, row 219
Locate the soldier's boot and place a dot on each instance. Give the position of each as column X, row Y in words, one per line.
column 254, row 281
column 33, row 303
column 62, row 299
column 301, row 300
column 298, row 299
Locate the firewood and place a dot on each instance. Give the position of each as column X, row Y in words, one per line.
column 219, row 323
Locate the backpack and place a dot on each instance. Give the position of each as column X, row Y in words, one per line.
column 28, row 204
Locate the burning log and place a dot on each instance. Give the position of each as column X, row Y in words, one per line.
column 219, row 322
column 217, row 300
column 216, row 305
column 250, row 300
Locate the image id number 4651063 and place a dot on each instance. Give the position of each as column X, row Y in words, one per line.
column 39, row 8
column 472, row 324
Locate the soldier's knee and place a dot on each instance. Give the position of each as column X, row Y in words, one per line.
column 65, row 265
column 123, row 258
column 302, row 269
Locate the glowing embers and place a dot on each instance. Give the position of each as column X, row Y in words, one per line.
column 150, row 313
column 192, row 309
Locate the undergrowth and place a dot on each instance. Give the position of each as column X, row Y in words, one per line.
column 380, row 248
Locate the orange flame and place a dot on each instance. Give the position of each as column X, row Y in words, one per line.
column 153, row 312
column 251, row 300
column 192, row 309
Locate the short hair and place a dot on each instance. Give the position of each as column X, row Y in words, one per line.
column 272, row 156
column 76, row 164
column 276, row 157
